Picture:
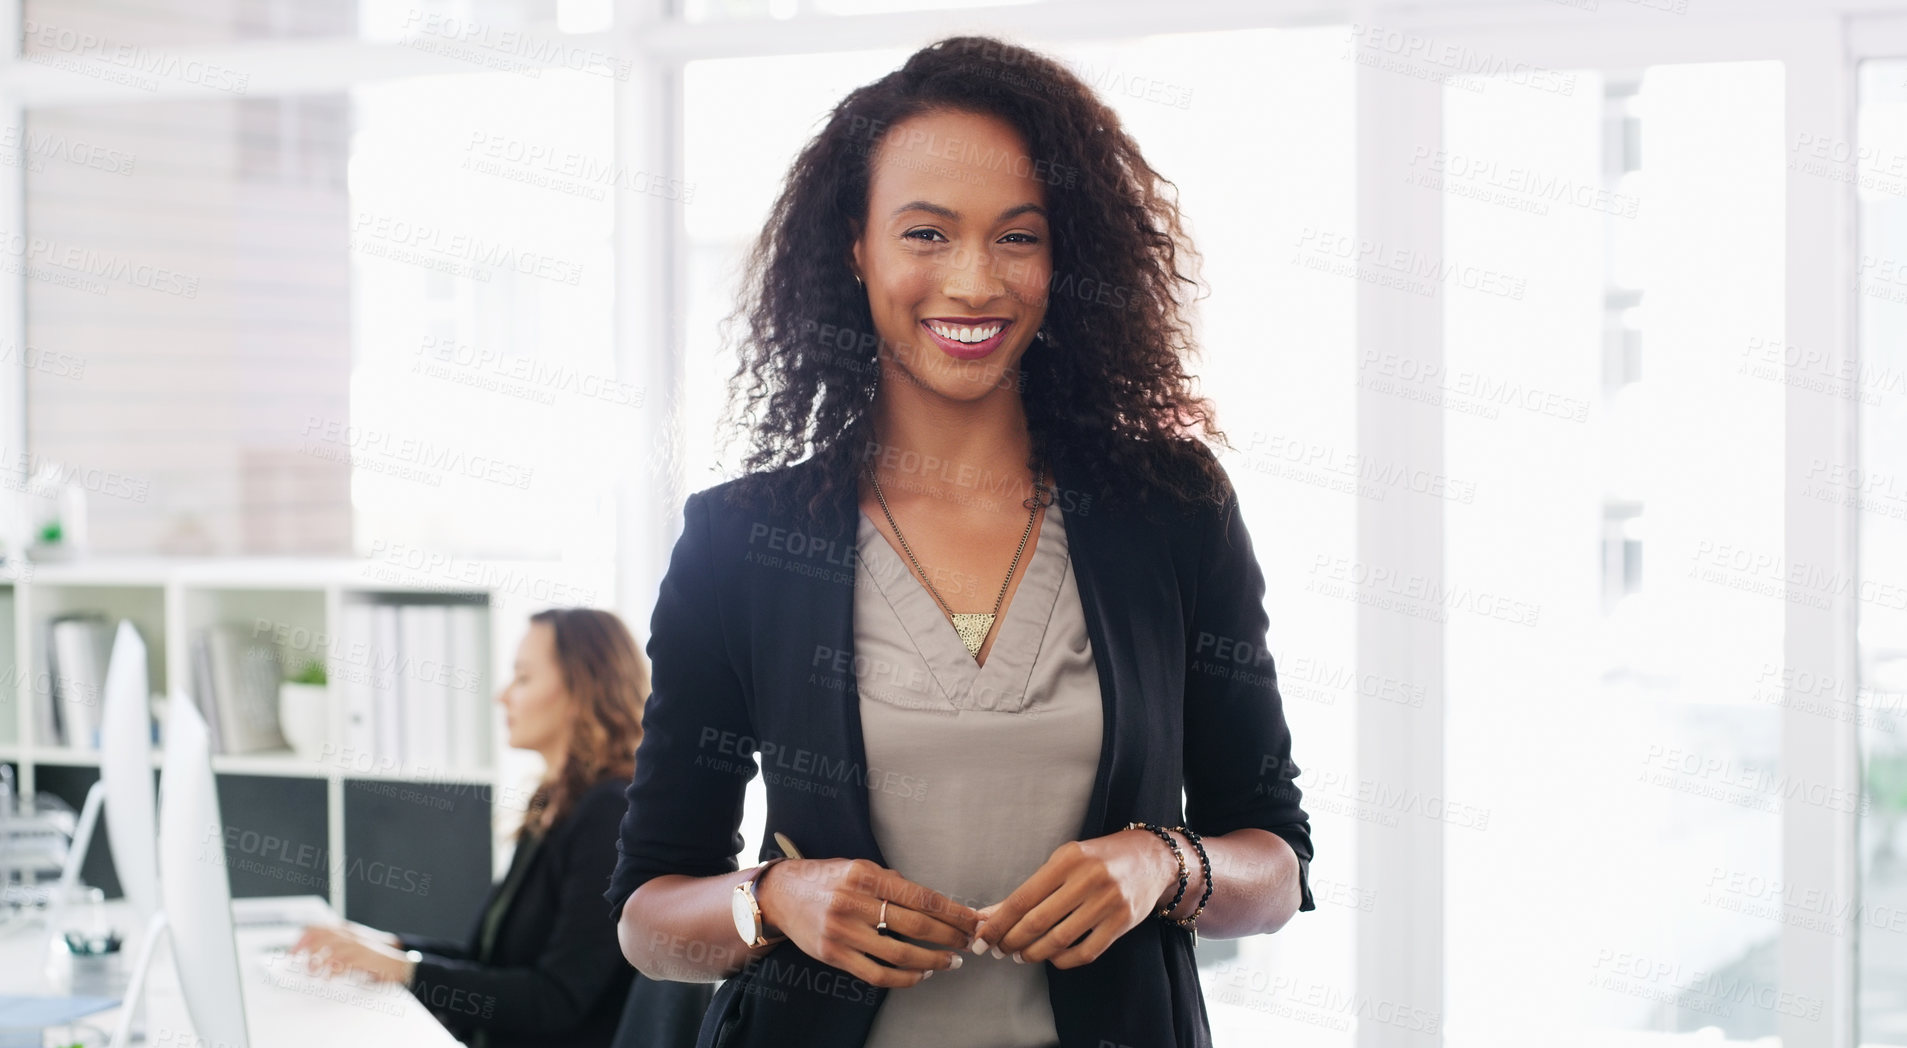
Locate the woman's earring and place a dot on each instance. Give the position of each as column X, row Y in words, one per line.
column 1039, row 335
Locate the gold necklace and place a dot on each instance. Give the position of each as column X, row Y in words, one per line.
column 973, row 627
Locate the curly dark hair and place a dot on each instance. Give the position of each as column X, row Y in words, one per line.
column 1107, row 382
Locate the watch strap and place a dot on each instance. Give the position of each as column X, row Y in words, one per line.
column 748, row 886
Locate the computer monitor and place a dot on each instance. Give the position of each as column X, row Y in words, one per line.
column 124, row 789
column 125, row 768
column 195, row 896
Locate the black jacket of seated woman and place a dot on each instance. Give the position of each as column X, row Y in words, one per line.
column 541, row 966
column 533, row 969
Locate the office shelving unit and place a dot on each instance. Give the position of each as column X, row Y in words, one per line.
column 363, row 831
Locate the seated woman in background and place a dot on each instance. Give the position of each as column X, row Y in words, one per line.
column 541, row 964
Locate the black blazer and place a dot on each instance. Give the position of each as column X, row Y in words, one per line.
column 751, row 649
column 556, row 974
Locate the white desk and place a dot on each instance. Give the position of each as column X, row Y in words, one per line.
column 283, row 1006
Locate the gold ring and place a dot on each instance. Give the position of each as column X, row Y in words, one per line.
column 882, row 926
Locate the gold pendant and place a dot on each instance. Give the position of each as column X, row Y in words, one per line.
column 972, row 627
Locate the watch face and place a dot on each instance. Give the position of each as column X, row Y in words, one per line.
column 743, row 907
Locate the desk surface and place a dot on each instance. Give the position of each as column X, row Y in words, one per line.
column 283, row 1005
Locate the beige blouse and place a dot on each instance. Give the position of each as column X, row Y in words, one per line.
column 997, row 763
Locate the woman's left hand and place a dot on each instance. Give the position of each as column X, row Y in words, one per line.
column 1097, row 889
column 335, row 949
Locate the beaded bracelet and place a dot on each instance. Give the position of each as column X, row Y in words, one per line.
column 1185, row 875
column 1205, row 865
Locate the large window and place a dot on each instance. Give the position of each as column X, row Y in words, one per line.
column 186, row 300
column 1876, row 483
column 488, row 417
column 1614, row 684
column 335, row 323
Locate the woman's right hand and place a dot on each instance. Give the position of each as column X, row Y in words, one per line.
column 829, row 908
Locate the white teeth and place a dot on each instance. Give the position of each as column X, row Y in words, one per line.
column 965, row 334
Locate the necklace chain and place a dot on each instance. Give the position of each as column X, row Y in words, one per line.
column 1042, row 496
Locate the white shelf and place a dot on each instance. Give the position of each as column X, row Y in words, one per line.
column 61, row 755
column 297, row 604
column 276, row 762
column 369, row 574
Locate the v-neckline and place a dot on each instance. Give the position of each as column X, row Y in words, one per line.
column 999, row 684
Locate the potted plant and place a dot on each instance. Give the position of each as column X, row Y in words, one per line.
column 301, row 709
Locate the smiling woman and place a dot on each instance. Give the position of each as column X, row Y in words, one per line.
column 1042, row 549
column 979, row 171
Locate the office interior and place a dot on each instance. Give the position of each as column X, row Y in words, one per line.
column 1562, row 346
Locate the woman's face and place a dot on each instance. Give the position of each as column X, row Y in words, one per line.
column 955, row 251
column 536, row 702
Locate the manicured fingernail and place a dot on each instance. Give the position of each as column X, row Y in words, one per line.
column 997, row 955
column 1018, row 958
column 924, row 976
column 979, row 945
column 956, row 961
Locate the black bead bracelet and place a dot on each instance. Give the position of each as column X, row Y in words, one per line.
column 1185, row 875
column 1205, row 866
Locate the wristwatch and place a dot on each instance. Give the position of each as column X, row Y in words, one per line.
column 747, row 909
